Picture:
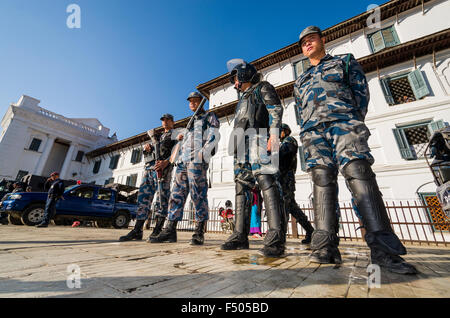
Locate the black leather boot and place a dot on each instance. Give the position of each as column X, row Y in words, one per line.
column 198, row 238
column 384, row 244
column 168, row 234
column 275, row 239
column 239, row 238
column 158, row 227
column 309, row 231
column 135, row 234
column 324, row 241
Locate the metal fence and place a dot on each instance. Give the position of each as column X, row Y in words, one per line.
column 413, row 222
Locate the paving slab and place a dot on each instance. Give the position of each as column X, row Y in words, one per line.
column 45, row 263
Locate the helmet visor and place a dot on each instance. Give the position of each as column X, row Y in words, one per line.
column 231, row 64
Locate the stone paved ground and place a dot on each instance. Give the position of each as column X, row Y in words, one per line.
column 34, row 263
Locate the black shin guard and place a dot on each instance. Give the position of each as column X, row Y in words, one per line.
column 362, row 184
column 239, row 238
column 384, row 244
column 325, row 241
column 275, row 238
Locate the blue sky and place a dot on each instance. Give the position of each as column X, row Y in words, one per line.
column 133, row 60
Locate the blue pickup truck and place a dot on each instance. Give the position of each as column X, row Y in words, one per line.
column 107, row 206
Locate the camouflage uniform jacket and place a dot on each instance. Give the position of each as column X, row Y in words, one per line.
column 201, row 137
column 166, row 143
column 334, row 90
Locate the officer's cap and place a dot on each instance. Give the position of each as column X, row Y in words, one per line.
column 166, row 116
column 194, row 95
column 309, row 30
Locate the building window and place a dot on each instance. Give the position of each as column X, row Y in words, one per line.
column 435, row 213
column 114, row 162
column 412, row 140
column 300, row 67
column 404, row 88
column 97, row 166
column 21, row 174
column 80, row 156
column 383, row 39
column 109, row 181
column 136, row 156
column 131, row 180
column 35, row 144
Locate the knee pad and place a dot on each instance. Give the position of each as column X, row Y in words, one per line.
column 358, row 169
column 323, row 176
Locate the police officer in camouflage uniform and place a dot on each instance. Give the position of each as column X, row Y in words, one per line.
column 288, row 168
column 331, row 98
column 149, row 186
column 197, row 147
column 258, row 114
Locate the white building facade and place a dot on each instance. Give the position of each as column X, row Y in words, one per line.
column 407, row 63
column 34, row 140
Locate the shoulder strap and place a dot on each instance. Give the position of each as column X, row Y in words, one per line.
column 258, row 93
column 347, row 66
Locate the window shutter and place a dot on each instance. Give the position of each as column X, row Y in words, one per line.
column 139, row 156
column 387, row 91
column 302, row 158
column 436, row 125
column 298, row 69
column 377, row 42
column 128, row 180
column 97, row 166
column 114, row 161
column 390, row 37
column 403, row 144
column 418, row 84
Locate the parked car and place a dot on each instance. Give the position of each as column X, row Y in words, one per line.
column 107, row 206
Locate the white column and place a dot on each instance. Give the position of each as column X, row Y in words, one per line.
column 67, row 162
column 45, row 153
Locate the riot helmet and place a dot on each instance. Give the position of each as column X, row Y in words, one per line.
column 245, row 72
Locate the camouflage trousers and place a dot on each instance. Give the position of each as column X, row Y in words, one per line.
column 334, row 144
column 190, row 178
column 147, row 191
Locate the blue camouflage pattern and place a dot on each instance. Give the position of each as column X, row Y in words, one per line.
column 334, row 90
column 147, row 191
column 335, row 144
column 190, row 178
column 331, row 101
column 200, row 139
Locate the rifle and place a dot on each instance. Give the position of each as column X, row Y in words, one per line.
column 159, row 174
column 176, row 149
